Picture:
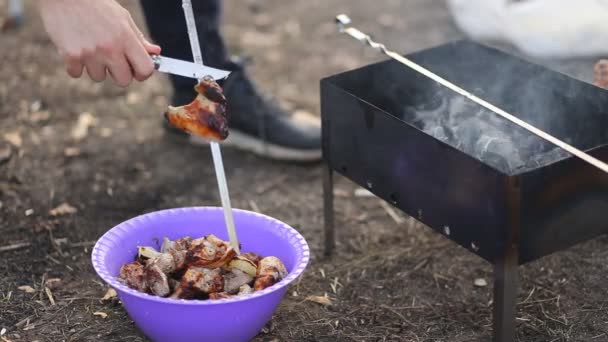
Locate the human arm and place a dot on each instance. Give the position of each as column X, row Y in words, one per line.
column 98, row 36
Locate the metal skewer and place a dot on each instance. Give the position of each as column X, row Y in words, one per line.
column 343, row 21
column 215, row 147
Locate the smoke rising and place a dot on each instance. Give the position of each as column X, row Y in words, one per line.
column 483, row 134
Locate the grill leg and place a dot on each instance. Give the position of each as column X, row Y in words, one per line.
column 505, row 296
column 328, row 207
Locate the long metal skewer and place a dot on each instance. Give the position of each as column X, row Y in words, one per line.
column 215, row 147
column 343, row 21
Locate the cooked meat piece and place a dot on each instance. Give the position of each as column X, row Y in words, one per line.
column 245, row 289
column 177, row 245
column 235, row 279
column 156, row 280
column 133, row 275
column 198, row 280
column 144, row 253
column 270, row 271
column 179, row 259
column 183, row 243
column 254, row 257
column 183, row 292
column 205, row 116
column 173, row 284
column 167, row 245
column 219, row 295
column 164, row 261
column 209, row 252
column 241, row 263
column 600, row 73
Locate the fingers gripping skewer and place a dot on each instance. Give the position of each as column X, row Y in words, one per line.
column 343, row 22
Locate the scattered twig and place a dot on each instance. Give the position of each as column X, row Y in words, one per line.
column 265, row 187
column 542, row 309
column 82, row 244
column 14, row 246
column 54, row 260
column 254, row 206
column 396, row 313
column 391, row 212
column 529, row 295
column 49, row 294
column 25, row 321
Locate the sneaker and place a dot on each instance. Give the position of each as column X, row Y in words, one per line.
column 259, row 125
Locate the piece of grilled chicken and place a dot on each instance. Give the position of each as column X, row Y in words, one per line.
column 205, row 116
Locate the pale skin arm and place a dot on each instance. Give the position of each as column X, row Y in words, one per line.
column 98, row 36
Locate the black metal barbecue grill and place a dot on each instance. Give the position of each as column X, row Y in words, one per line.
column 484, row 183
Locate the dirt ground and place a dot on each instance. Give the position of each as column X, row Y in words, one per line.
column 387, row 282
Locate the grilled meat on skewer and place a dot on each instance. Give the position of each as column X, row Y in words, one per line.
column 205, row 116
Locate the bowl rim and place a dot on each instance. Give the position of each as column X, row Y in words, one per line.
column 99, row 251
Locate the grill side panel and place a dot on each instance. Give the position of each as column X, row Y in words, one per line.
column 563, row 204
column 425, row 178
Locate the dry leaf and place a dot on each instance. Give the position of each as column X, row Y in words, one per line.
column 63, row 209
column 105, row 132
column 480, row 282
column 100, row 314
column 50, row 295
column 81, row 129
column 259, row 39
column 111, row 293
column 27, row 289
column 14, row 138
column 71, row 151
column 5, row 152
column 53, row 283
column 39, row 116
column 262, row 20
column 133, row 98
column 323, row 300
column 361, row 192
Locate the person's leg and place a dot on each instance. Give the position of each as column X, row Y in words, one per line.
column 256, row 124
column 167, row 27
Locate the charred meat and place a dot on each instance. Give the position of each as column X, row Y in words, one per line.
column 203, row 268
column 205, row 116
column 270, row 271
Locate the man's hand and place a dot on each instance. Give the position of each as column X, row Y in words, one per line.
column 99, row 36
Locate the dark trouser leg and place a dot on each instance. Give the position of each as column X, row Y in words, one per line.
column 264, row 127
column 167, row 27
column 505, row 296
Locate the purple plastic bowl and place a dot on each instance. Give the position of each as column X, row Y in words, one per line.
column 234, row 319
